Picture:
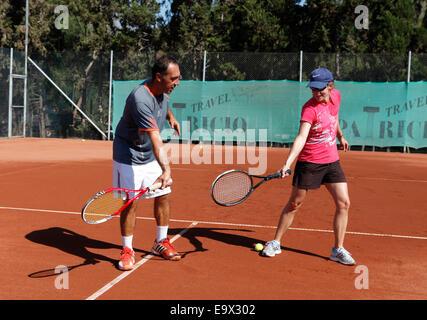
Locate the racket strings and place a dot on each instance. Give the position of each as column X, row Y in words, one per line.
column 105, row 205
column 232, row 187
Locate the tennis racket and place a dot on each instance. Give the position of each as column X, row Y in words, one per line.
column 234, row 186
column 110, row 202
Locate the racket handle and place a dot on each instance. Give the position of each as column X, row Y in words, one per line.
column 289, row 172
column 275, row 175
column 157, row 185
column 278, row 174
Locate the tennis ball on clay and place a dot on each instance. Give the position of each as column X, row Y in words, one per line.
column 258, row 247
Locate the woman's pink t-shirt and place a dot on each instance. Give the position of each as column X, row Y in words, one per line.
column 321, row 146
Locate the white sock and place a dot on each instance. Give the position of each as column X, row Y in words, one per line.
column 127, row 241
column 162, row 233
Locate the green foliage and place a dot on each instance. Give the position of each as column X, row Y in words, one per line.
column 228, row 71
column 220, row 25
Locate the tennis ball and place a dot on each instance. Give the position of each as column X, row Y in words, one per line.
column 258, row 247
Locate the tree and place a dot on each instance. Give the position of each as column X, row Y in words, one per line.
column 5, row 22
column 94, row 28
column 189, row 32
column 254, row 25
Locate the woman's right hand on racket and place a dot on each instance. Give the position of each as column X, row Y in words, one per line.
column 285, row 171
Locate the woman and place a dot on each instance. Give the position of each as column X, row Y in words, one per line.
column 318, row 163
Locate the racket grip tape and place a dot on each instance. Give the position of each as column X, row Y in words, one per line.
column 157, row 185
column 279, row 174
column 275, row 175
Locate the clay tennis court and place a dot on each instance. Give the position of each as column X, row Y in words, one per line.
column 45, row 182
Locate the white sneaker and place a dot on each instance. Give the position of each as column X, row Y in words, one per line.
column 342, row 256
column 271, row 249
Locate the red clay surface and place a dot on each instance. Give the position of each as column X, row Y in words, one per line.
column 45, row 182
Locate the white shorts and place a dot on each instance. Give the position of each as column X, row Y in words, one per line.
column 136, row 177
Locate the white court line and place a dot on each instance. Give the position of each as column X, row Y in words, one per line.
column 112, row 283
column 237, row 224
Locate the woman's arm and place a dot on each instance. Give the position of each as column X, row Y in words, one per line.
column 297, row 146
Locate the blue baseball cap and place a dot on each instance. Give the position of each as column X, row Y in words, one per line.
column 319, row 78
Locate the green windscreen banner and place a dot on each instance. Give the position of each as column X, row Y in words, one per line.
column 374, row 114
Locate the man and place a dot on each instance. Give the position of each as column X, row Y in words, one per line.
column 318, row 163
column 139, row 157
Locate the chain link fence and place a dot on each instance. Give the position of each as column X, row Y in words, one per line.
column 254, row 66
column 11, row 95
column 84, row 78
column 4, row 91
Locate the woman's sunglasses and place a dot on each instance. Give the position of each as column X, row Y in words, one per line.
column 317, row 90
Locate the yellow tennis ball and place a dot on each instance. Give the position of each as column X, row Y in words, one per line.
column 258, row 247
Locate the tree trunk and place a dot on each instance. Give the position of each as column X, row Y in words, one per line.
column 337, row 64
column 422, row 14
column 42, row 118
column 82, row 99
